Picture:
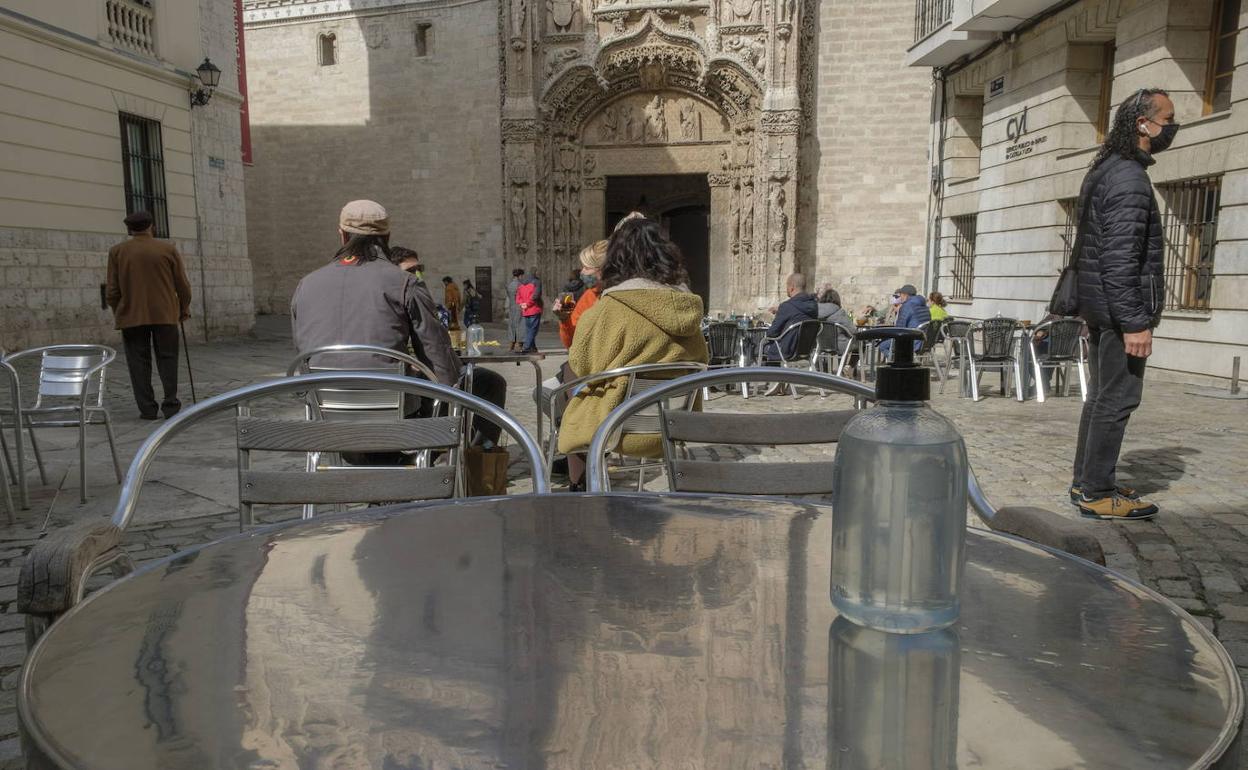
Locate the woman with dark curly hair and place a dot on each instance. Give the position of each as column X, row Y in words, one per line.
column 646, row 315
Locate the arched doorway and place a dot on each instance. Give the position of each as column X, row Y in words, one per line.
column 681, row 203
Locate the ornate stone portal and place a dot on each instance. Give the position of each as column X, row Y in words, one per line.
column 599, row 88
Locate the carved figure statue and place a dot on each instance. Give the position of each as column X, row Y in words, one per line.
column 690, row 121
column 747, row 211
column 656, row 119
column 734, row 220
column 519, row 223
column 562, row 14
column 725, row 163
column 610, row 125
column 574, row 215
column 779, row 221
column 521, row 13
column 631, row 124
column 561, row 213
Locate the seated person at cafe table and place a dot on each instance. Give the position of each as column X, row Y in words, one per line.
column 912, row 311
column 362, row 298
column 800, row 306
column 646, row 315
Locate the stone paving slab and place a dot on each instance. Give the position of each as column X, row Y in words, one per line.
column 1185, row 452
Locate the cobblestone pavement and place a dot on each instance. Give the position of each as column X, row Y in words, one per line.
column 1185, row 452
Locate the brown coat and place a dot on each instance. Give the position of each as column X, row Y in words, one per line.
column 147, row 283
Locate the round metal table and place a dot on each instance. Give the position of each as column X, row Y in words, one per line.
column 620, row 631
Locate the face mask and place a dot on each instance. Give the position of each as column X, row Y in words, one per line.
column 589, row 279
column 1163, row 140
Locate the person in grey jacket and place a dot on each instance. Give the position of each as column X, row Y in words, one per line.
column 1121, row 294
column 362, row 298
column 830, row 310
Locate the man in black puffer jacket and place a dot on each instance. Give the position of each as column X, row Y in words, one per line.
column 1121, row 296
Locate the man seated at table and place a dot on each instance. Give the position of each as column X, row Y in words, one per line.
column 912, row 311
column 800, row 306
column 362, row 298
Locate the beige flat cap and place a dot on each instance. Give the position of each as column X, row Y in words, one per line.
column 364, row 217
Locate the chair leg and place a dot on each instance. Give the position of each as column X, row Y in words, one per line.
column 1019, row 384
column 4, row 449
column 34, row 447
column 112, row 445
column 313, row 459
column 641, row 474
column 973, row 380
column 1038, row 371
column 1083, row 381
column 82, row 456
column 8, row 497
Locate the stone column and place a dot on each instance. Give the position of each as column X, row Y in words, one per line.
column 723, row 263
column 778, row 174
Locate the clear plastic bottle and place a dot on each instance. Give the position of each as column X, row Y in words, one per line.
column 899, row 504
column 476, row 335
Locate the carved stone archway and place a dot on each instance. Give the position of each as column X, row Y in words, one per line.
column 594, row 88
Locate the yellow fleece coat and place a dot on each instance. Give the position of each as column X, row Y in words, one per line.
column 626, row 328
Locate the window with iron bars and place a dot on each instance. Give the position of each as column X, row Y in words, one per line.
column 930, row 15
column 1190, row 227
column 143, row 165
column 963, row 270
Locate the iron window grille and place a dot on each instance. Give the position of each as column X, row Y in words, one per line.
column 963, row 271
column 143, row 164
column 1190, row 228
column 930, row 15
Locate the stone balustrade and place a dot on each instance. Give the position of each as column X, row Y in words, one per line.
column 132, row 25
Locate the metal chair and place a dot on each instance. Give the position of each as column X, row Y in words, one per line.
column 996, row 351
column 832, row 344
column 639, row 379
column 681, row 427
column 9, row 472
column 724, row 340
column 70, row 395
column 805, row 350
column 1067, row 346
column 356, row 404
column 932, row 339
column 54, row 576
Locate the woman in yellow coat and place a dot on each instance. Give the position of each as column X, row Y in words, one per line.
column 646, row 315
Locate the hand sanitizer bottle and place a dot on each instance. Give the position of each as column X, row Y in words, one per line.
column 899, row 503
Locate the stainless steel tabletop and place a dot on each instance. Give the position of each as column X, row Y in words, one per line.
column 622, row 631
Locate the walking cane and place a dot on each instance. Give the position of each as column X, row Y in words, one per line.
column 186, row 350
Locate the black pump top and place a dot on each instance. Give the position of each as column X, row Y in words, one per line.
column 903, row 379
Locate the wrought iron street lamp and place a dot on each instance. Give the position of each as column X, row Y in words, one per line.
column 209, row 76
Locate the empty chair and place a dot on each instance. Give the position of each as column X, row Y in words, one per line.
column 724, row 341
column 681, row 427
column 995, row 351
column 1063, row 344
column 70, row 394
column 832, row 346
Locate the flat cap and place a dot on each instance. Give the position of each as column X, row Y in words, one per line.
column 364, row 217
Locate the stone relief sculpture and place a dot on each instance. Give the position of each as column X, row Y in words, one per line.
column 690, row 121
column 747, row 213
column 520, row 15
column 519, row 219
column 751, row 49
column 563, row 14
column 741, row 11
column 779, row 221
column 734, row 220
column 656, row 120
column 609, row 126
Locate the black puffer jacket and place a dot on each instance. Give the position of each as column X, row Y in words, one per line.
column 1121, row 262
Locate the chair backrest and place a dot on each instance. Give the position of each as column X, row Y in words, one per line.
column 998, row 337
column 931, row 334
column 957, row 328
column 679, row 427
column 807, row 337
column 356, row 403
column 68, row 371
column 303, row 436
column 1063, row 335
column 829, row 339
column 722, row 339
column 640, row 379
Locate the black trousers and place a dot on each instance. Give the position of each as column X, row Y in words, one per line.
column 140, row 341
column 1115, row 386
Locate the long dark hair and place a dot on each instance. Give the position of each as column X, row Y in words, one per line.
column 638, row 249
column 365, row 248
column 1123, row 137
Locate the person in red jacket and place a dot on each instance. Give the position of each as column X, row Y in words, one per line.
column 529, row 298
column 593, row 257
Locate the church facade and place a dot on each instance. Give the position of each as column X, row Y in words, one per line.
column 767, row 135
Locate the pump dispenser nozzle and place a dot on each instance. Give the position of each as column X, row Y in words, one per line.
column 903, row 379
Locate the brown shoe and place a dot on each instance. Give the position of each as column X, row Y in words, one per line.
column 1122, row 490
column 1116, row 507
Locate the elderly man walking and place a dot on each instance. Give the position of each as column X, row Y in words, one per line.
column 150, row 295
column 1121, row 295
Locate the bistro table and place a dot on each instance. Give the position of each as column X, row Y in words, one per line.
column 612, row 631
column 534, row 359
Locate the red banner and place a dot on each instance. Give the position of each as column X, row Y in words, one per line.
column 240, row 56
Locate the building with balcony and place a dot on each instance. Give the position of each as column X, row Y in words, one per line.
column 1025, row 91
column 97, row 122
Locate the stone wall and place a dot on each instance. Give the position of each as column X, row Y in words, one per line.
column 419, row 134
column 1021, row 198
column 861, row 221
column 62, row 151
